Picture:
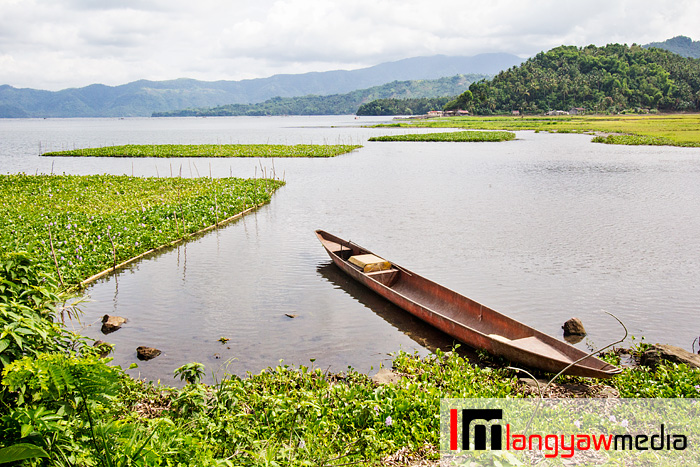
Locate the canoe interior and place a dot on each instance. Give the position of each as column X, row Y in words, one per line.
column 465, row 319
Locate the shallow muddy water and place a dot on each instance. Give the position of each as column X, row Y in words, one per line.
column 542, row 228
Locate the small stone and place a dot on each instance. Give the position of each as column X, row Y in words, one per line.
column 658, row 352
column 607, row 392
column 386, row 376
column 574, row 327
column 147, row 353
column 533, row 384
column 289, row 315
column 111, row 323
column 103, row 347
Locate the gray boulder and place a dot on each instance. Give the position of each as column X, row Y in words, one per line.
column 669, row 353
column 147, row 353
column 574, row 327
column 111, row 323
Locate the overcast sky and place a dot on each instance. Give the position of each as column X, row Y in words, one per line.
column 57, row 44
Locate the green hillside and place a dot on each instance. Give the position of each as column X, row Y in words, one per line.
column 599, row 79
column 681, row 45
column 336, row 104
column 395, row 106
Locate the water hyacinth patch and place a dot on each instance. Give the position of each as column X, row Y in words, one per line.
column 454, row 137
column 641, row 140
column 80, row 225
column 669, row 129
column 211, row 150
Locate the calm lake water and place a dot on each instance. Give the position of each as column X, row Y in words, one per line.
column 542, row 228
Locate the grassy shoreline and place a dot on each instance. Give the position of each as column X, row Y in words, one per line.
column 670, row 129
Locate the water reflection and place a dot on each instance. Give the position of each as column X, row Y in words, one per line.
column 420, row 332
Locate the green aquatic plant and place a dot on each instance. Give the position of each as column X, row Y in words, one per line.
column 210, row 150
column 455, row 137
column 77, row 226
column 641, row 140
column 669, row 129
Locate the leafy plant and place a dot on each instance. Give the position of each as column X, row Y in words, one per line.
column 28, row 298
column 20, row 452
column 191, row 372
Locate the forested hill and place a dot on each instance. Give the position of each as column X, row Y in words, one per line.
column 680, row 45
column 337, row 104
column 611, row 78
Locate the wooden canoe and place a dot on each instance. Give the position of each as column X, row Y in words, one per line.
column 462, row 318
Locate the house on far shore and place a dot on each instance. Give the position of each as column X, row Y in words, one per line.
column 448, row 113
column 577, row 111
column 557, row 112
column 515, row 112
column 456, row 113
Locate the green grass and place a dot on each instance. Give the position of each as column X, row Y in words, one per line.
column 457, row 136
column 210, row 150
column 95, row 221
column 672, row 130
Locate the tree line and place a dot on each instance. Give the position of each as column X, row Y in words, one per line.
column 402, row 106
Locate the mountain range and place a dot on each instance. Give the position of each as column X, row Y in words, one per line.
column 143, row 98
column 338, row 104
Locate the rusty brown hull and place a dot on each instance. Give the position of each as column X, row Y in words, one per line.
column 464, row 319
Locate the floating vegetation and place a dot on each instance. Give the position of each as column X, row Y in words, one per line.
column 667, row 130
column 456, row 137
column 211, row 150
column 640, row 140
column 80, row 225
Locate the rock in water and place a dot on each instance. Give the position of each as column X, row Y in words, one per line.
column 574, row 327
column 111, row 323
column 653, row 356
column 146, row 353
column 103, row 347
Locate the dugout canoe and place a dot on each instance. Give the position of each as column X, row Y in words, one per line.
column 464, row 319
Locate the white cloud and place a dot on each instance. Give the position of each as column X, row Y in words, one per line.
column 67, row 43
